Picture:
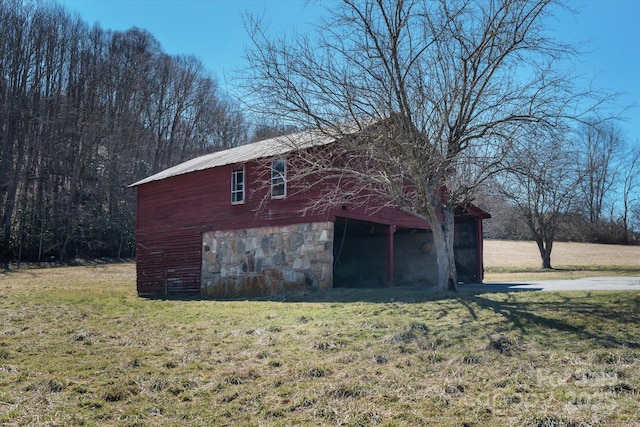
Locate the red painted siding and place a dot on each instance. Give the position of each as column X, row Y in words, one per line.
column 168, row 263
column 173, row 213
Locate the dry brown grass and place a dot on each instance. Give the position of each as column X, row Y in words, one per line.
column 79, row 348
column 505, row 253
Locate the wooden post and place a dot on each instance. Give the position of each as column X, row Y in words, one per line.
column 479, row 251
column 390, row 231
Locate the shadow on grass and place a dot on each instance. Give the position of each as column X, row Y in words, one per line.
column 333, row 295
column 583, row 316
column 403, row 294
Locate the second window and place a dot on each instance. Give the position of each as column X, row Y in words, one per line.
column 278, row 179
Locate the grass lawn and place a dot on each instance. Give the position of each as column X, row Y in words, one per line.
column 78, row 347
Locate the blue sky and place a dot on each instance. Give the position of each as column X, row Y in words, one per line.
column 213, row 30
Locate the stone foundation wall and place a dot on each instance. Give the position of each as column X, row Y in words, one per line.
column 267, row 260
column 415, row 260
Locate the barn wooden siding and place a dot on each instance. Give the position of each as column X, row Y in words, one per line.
column 165, row 264
column 173, row 214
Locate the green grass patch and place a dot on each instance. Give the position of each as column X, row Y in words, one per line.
column 78, row 347
column 566, row 272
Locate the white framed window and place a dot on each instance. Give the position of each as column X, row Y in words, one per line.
column 278, row 179
column 237, row 186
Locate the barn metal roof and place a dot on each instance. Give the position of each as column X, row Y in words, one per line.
column 277, row 146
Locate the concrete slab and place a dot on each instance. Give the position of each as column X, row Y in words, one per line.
column 584, row 284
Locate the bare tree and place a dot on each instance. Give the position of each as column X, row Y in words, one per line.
column 507, row 221
column 631, row 191
column 542, row 178
column 456, row 82
column 265, row 131
column 601, row 150
column 634, row 222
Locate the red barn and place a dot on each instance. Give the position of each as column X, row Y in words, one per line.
column 203, row 228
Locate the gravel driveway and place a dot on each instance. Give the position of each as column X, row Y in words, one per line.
column 585, row 284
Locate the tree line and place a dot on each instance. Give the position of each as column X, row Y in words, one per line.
column 85, row 111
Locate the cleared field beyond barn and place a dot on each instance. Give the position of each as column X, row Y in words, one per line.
column 79, row 348
column 506, row 260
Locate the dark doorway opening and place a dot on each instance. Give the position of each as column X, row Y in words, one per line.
column 465, row 246
column 359, row 254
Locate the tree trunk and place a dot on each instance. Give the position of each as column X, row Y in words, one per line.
column 443, row 245
column 545, row 246
column 11, row 195
column 449, row 235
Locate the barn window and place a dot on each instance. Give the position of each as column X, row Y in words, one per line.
column 237, row 186
column 278, row 179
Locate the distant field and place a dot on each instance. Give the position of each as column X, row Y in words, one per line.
column 520, row 260
column 79, row 348
column 508, row 253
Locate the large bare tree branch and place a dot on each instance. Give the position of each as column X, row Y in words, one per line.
column 452, row 85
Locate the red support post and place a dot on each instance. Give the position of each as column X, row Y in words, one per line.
column 479, row 251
